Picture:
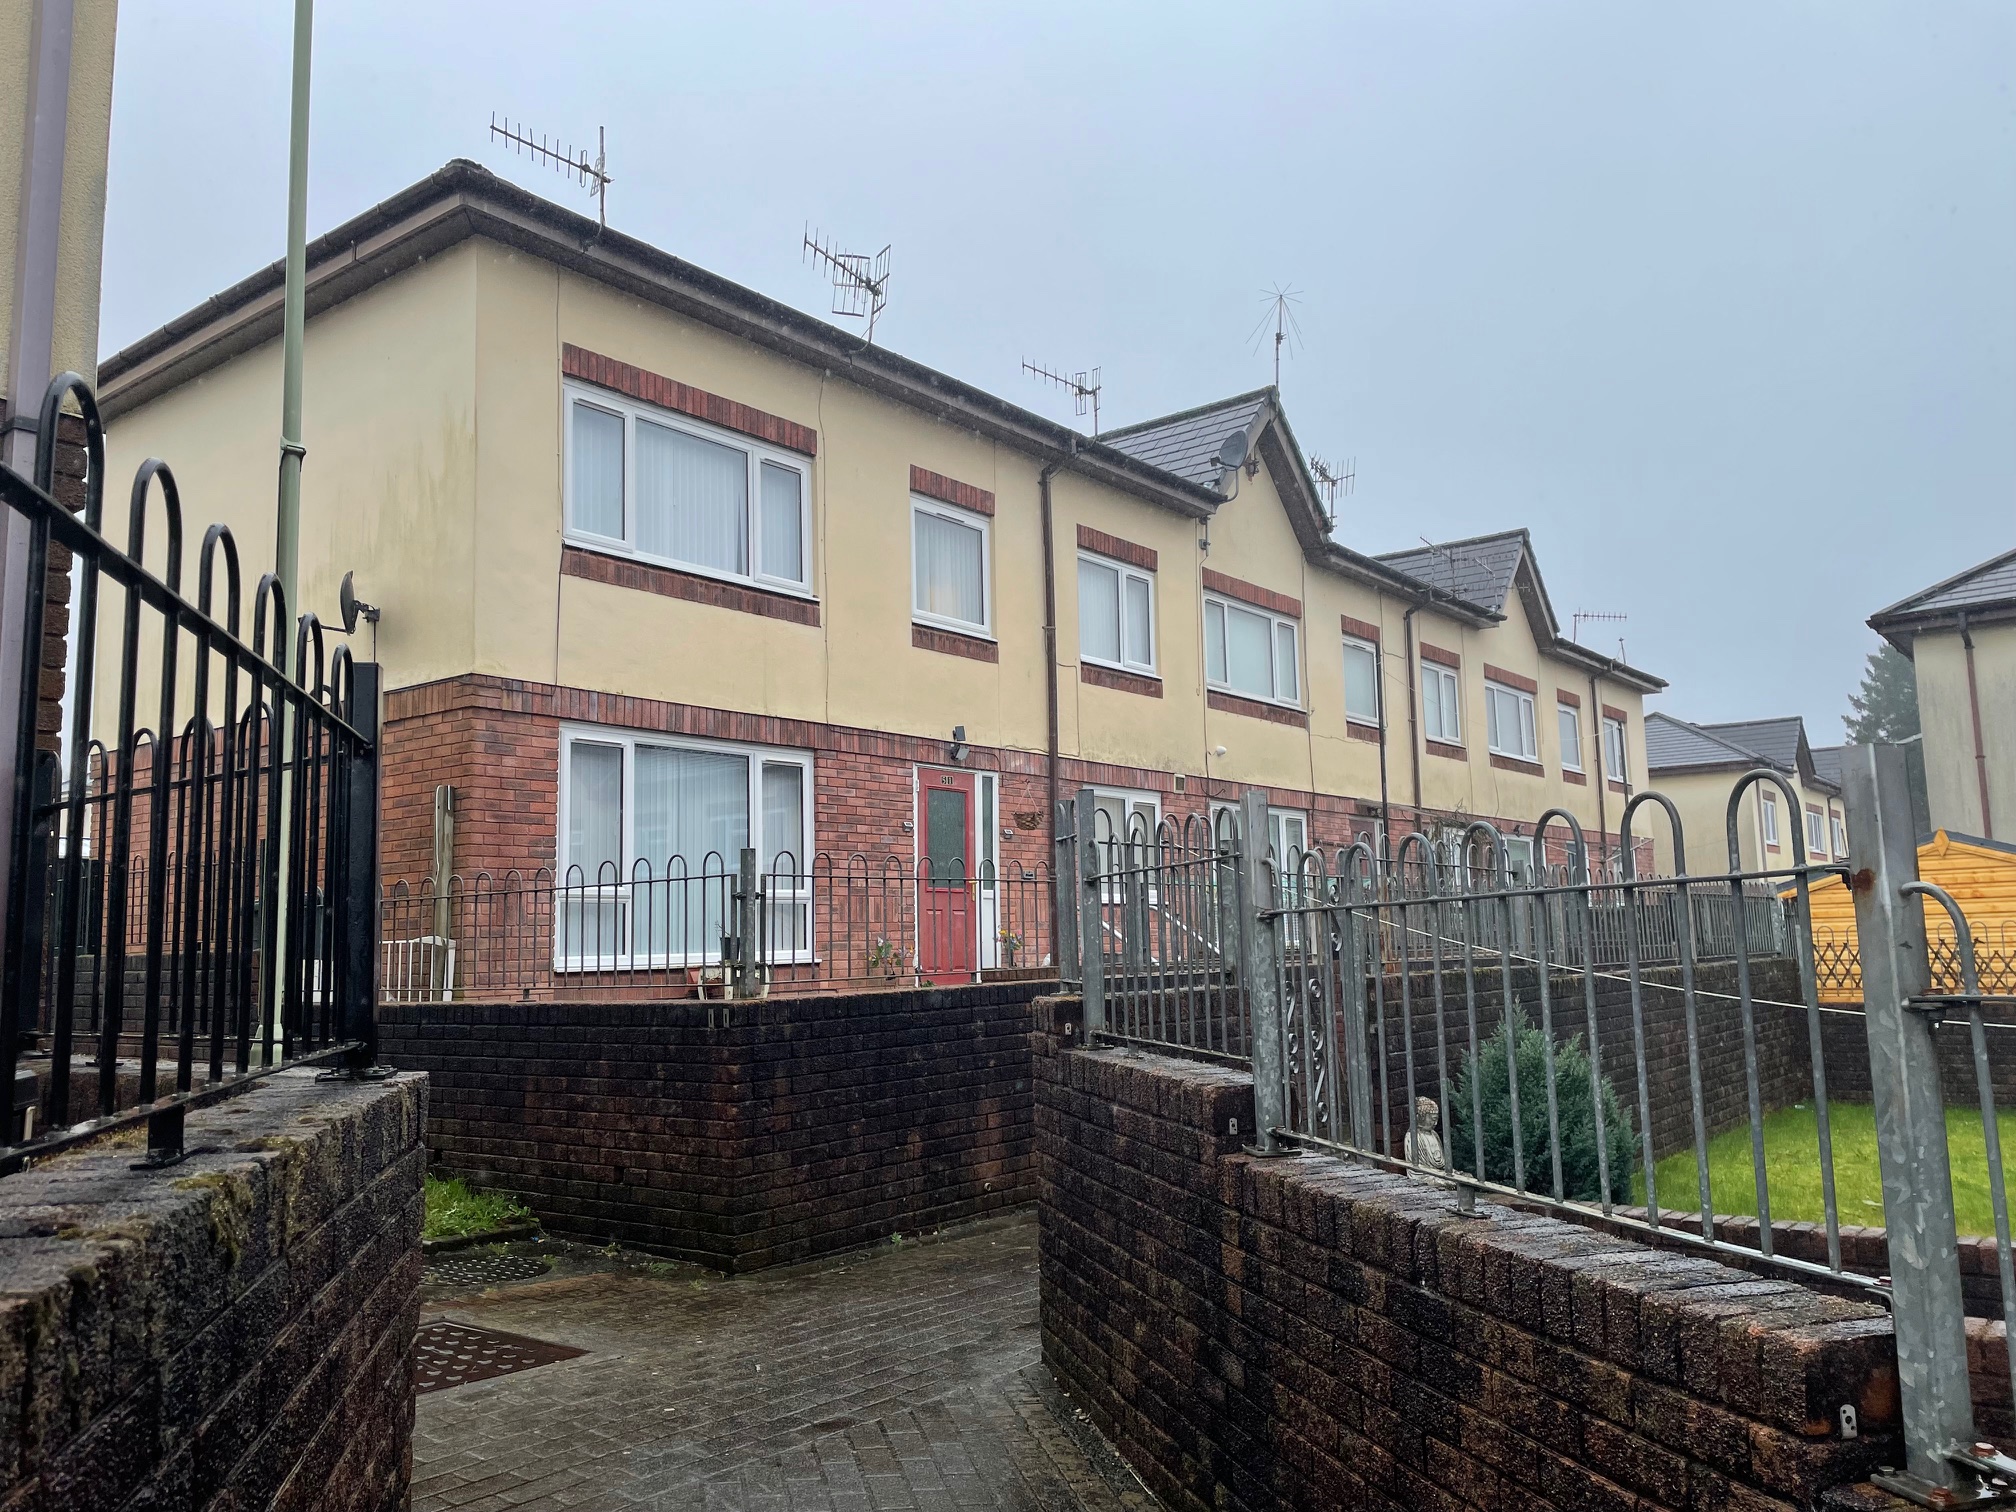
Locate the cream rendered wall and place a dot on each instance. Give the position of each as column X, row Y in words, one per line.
column 1952, row 781
column 388, row 487
column 81, row 238
column 1703, row 801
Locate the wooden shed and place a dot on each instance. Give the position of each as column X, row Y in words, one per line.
column 1981, row 876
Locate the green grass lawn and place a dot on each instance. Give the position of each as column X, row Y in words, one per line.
column 1792, row 1167
column 455, row 1208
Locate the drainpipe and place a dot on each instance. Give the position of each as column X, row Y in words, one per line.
column 1974, row 713
column 1385, row 812
column 1050, row 639
column 1602, row 765
column 1413, row 713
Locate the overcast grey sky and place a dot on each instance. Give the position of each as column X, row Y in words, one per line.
column 1716, row 299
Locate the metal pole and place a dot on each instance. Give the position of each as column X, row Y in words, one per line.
column 1258, row 964
column 745, row 974
column 361, row 871
column 1064, row 884
column 1910, row 1118
column 294, row 310
column 30, row 358
column 1091, row 922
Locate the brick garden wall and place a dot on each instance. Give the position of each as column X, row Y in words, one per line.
column 232, row 1332
column 1306, row 1332
column 736, row 1135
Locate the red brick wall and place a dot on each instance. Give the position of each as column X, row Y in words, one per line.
column 1310, row 1333
column 497, row 741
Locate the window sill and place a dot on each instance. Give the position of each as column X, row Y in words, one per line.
column 1254, row 708
column 1444, row 749
column 954, row 643
column 1358, row 729
column 1101, row 676
column 597, row 566
column 1618, row 787
column 1517, row 764
column 1574, row 778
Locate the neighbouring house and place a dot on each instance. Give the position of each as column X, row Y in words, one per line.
column 1698, row 765
column 668, row 568
column 1961, row 637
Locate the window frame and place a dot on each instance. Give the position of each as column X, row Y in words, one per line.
column 1622, row 770
column 1573, row 721
column 1767, row 821
column 925, row 504
column 1124, row 571
column 1839, row 828
column 1455, row 677
column 1816, row 831
column 1226, row 604
column 1525, row 706
column 758, row 756
column 756, row 452
column 1378, row 714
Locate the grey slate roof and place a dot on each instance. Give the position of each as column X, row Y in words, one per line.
column 1186, row 444
column 1675, row 745
column 1480, row 569
column 1827, row 762
column 1992, row 582
column 1776, row 740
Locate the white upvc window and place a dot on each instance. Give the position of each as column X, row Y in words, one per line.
column 666, row 488
column 1840, row 834
column 1441, row 700
column 1508, row 722
column 651, row 834
column 1569, row 719
column 1770, row 811
column 1124, row 816
column 1519, row 860
column 1251, row 652
column 949, row 571
column 1613, row 749
column 1361, row 680
column 1816, row 832
column 1287, row 831
column 1116, row 614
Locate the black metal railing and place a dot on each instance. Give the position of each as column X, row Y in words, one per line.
column 189, row 893
column 706, row 927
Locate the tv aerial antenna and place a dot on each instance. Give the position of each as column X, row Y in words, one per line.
column 1337, row 481
column 1598, row 617
column 1083, row 387
column 1280, row 301
column 860, row 282
column 575, row 164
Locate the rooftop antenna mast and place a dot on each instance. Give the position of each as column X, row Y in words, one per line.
column 1084, row 388
column 1280, row 301
column 1335, row 481
column 577, row 165
column 860, row 282
column 1598, row 617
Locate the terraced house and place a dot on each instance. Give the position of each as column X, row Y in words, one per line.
column 669, row 568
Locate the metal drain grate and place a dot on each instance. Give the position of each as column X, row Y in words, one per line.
column 454, row 1354
column 484, row 1270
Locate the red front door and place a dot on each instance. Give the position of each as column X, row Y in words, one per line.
column 945, row 918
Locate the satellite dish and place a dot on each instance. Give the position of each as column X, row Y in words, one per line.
column 354, row 608
column 1233, row 452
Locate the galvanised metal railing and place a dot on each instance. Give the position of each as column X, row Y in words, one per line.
column 718, row 925
column 1549, row 1041
column 190, row 904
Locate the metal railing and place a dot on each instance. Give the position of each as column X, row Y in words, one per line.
column 718, row 925
column 187, row 906
column 1552, row 1041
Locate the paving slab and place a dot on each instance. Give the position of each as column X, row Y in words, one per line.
column 907, row 1377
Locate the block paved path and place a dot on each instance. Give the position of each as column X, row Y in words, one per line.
column 907, row 1377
